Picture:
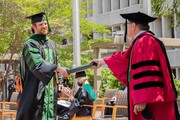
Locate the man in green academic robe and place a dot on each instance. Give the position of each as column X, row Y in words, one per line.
column 41, row 72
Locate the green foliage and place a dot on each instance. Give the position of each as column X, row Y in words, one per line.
column 11, row 27
column 113, row 82
column 103, row 87
column 15, row 28
column 160, row 7
column 109, row 81
column 67, row 61
column 167, row 8
column 177, row 85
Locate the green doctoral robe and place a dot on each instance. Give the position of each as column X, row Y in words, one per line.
column 39, row 96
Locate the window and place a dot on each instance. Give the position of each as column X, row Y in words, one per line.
column 100, row 7
column 107, row 5
column 134, row 2
column 116, row 4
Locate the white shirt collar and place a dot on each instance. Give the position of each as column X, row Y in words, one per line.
column 140, row 32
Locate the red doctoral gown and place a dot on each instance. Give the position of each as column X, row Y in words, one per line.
column 150, row 77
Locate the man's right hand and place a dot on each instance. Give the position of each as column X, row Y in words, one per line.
column 62, row 71
column 99, row 62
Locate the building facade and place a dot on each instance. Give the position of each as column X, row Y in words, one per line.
column 108, row 12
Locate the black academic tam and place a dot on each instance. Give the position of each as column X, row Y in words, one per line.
column 138, row 17
column 39, row 17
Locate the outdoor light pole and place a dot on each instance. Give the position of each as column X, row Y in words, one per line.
column 76, row 33
column 76, row 36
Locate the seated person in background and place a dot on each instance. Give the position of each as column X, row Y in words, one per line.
column 84, row 95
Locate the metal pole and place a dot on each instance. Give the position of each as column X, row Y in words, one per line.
column 76, row 36
column 76, row 33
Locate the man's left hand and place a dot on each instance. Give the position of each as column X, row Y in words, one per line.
column 139, row 107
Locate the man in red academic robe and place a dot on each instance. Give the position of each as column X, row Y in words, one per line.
column 144, row 68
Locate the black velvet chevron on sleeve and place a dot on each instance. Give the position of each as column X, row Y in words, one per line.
column 146, row 63
column 148, row 84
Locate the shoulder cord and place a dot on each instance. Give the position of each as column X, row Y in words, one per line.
column 55, row 62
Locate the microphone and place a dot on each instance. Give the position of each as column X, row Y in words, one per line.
column 82, row 67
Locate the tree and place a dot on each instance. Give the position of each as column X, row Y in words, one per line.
column 11, row 32
column 167, row 8
column 14, row 28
